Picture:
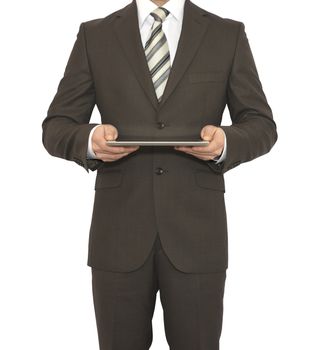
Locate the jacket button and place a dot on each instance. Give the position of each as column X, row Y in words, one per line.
column 159, row 171
column 161, row 125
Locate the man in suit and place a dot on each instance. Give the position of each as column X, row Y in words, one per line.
column 159, row 70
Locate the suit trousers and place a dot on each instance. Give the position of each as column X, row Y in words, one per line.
column 124, row 304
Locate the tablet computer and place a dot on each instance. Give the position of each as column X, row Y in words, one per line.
column 157, row 143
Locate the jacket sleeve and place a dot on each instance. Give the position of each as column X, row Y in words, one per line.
column 253, row 130
column 66, row 128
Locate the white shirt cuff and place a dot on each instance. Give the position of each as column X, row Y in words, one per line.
column 222, row 157
column 90, row 152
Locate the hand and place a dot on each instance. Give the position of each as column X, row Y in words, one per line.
column 210, row 133
column 107, row 132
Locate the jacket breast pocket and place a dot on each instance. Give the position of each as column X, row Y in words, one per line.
column 108, row 179
column 211, row 76
column 209, row 180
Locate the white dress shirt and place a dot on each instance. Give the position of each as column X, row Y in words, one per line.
column 172, row 28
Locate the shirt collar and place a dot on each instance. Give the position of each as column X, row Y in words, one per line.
column 145, row 7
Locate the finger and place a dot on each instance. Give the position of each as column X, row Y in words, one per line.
column 204, row 158
column 200, row 156
column 182, row 148
column 209, row 155
column 110, row 133
column 192, row 150
column 212, row 148
column 206, row 149
column 207, row 133
column 104, row 148
column 120, row 149
column 110, row 157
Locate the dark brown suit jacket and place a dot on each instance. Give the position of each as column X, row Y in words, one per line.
column 159, row 189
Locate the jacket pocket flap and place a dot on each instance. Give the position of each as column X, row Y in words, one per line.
column 195, row 77
column 210, row 180
column 108, row 179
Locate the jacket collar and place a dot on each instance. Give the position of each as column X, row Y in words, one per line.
column 145, row 7
column 127, row 31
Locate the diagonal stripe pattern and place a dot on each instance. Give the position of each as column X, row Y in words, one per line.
column 157, row 52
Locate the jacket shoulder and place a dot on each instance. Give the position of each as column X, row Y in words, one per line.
column 225, row 23
column 97, row 22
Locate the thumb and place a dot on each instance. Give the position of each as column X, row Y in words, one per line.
column 207, row 132
column 110, row 133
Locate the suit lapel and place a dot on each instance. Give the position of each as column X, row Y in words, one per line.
column 193, row 29
column 127, row 32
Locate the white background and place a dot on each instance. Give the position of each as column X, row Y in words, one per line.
column 273, row 288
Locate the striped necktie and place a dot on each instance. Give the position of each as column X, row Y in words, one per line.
column 157, row 52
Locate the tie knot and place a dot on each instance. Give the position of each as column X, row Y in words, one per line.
column 160, row 13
